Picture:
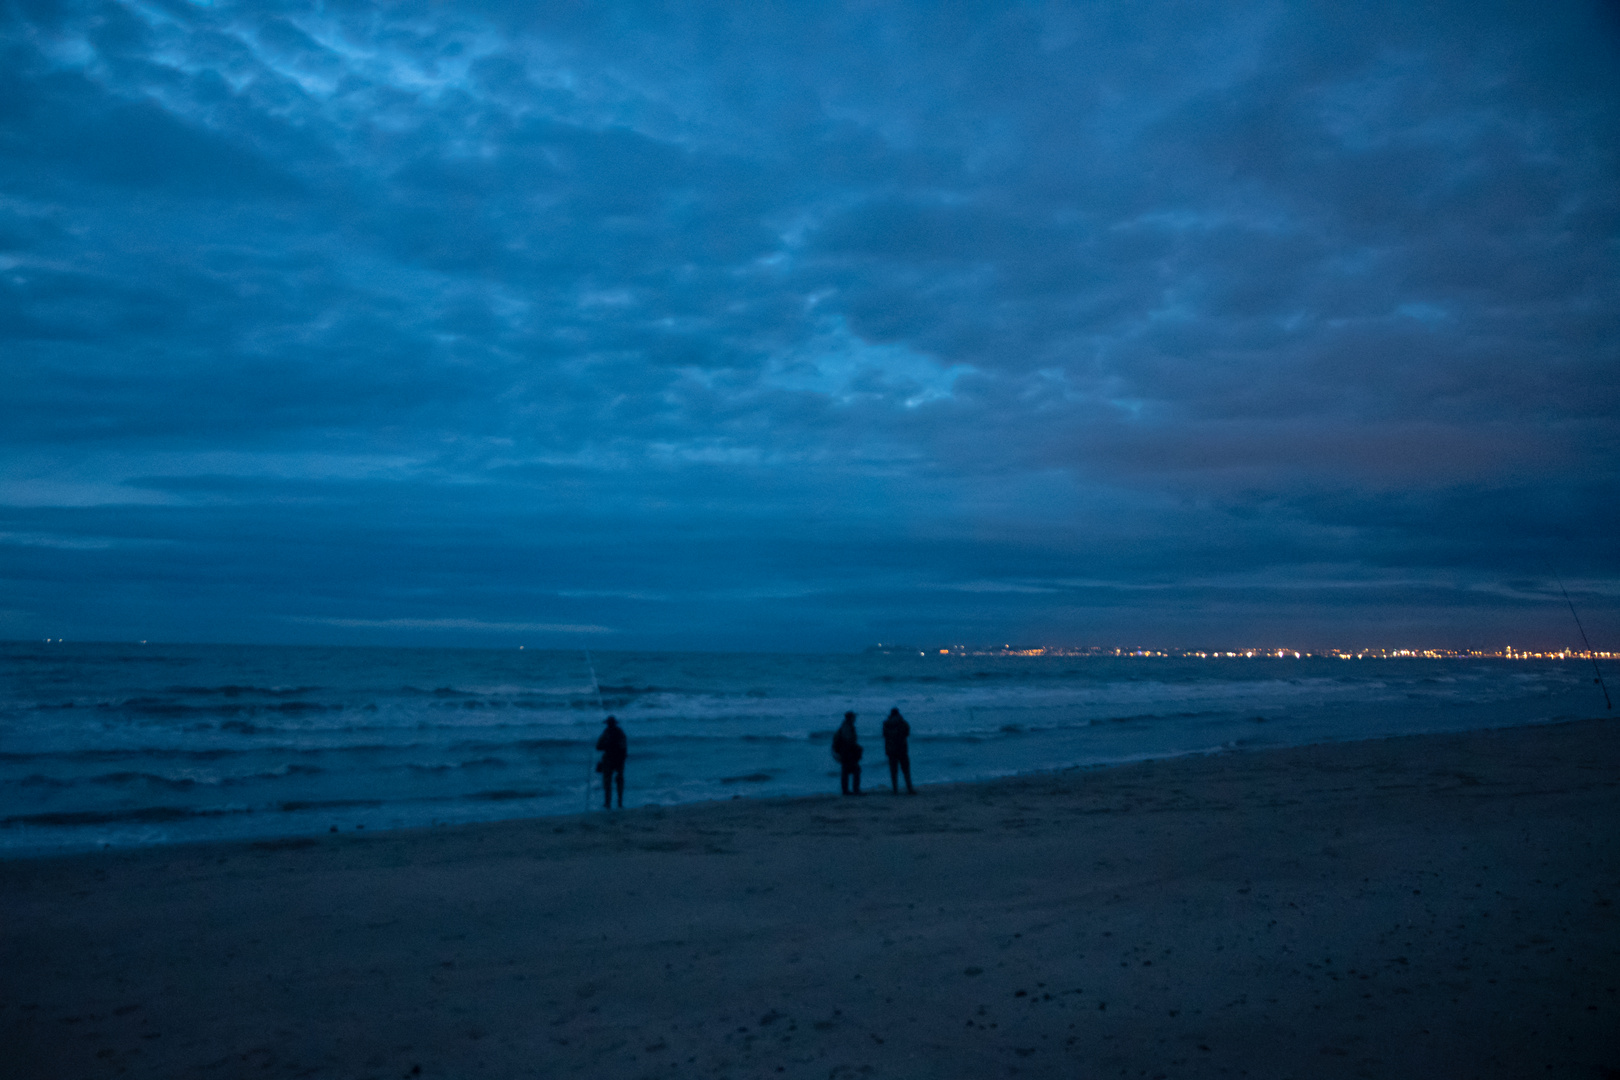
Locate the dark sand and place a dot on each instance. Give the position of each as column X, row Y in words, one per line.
column 1439, row 906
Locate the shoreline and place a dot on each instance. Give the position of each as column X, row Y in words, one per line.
column 1402, row 906
column 873, row 768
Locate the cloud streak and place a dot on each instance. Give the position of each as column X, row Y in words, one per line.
column 475, row 625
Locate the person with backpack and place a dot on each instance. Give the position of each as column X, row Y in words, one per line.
column 895, row 733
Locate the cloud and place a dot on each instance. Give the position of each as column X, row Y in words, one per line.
column 453, row 625
column 806, row 321
column 68, row 543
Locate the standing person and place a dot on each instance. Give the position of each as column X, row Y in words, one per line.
column 615, row 748
column 895, row 733
column 848, row 752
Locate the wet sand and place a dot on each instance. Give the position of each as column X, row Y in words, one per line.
column 1435, row 906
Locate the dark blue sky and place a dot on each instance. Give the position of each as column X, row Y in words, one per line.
column 810, row 325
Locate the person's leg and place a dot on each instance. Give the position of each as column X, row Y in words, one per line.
column 843, row 778
column 905, row 767
column 619, row 776
column 607, row 788
column 856, row 771
column 894, row 777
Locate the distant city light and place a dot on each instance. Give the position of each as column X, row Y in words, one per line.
column 1507, row 652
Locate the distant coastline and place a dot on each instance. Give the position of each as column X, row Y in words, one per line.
column 1269, row 652
column 1265, row 652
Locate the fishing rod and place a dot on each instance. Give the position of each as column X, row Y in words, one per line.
column 1590, row 655
column 597, row 686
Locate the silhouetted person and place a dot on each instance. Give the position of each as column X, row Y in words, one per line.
column 848, row 752
column 895, row 733
column 615, row 748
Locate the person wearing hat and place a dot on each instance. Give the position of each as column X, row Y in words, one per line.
column 615, row 748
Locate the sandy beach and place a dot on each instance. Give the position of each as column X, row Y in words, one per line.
column 1414, row 907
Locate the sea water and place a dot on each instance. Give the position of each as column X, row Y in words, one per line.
column 113, row 744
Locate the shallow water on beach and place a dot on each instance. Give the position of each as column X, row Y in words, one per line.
column 141, row 744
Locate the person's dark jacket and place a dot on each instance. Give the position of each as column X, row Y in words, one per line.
column 615, row 748
column 895, row 733
column 844, row 746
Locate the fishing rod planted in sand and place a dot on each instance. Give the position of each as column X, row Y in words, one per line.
column 1587, row 645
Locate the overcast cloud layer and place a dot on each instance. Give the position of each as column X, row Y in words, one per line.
column 810, row 325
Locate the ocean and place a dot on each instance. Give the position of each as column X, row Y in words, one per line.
column 119, row 744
